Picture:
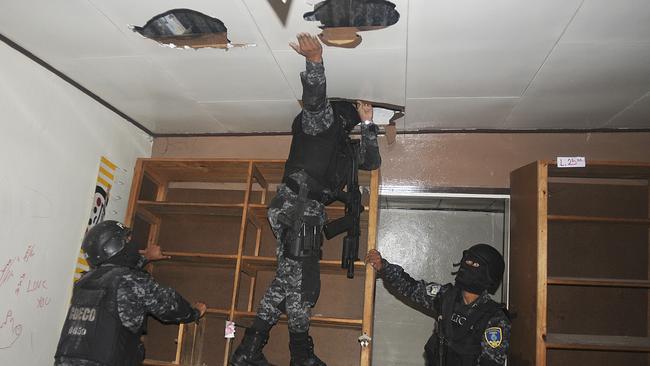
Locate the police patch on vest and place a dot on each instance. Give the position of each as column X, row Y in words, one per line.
column 493, row 337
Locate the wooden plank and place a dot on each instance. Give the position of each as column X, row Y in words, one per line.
column 603, row 169
column 198, row 170
column 200, row 258
column 525, row 297
column 154, row 230
column 596, row 219
column 157, row 363
column 218, row 312
column 542, row 261
column 179, row 342
column 369, row 283
column 598, row 282
column 253, row 280
column 315, row 320
column 597, row 342
column 136, row 184
column 259, row 177
column 240, row 251
column 190, row 208
column 257, row 263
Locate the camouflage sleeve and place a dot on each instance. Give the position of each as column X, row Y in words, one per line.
column 139, row 294
column 317, row 114
column 142, row 262
column 369, row 158
column 420, row 292
column 495, row 343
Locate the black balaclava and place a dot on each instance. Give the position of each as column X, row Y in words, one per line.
column 345, row 113
column 127, row 257
column 487, row 276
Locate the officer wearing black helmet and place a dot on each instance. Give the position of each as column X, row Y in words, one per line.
column 110, row 303
column 472, row 329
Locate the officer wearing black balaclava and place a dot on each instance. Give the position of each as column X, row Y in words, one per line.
column 318, row 161
column 471, row 329
column 111, row 302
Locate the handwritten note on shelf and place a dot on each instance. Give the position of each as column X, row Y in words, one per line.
column 571, row 162
column 17, row 280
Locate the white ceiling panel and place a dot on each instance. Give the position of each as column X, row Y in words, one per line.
column 173, row 115
column 376, row 75
column 583, row 86
column 120, row 79
column 475, row 48
column 457, row 113
column 57, row 29
column 143, row 91
column 239, row 74
column 254, row 116
column 636, row 115
column 278, row 35
column 462, row 64
column 610, row 21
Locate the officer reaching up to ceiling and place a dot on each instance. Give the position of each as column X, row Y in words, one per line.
column 110, row 303
column 472, row 329
column 318, row 162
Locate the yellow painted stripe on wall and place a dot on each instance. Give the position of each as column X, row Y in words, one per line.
column 108, row 163
column 103, row 182
column 108, row 174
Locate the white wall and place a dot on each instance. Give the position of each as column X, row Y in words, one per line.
column 51, row 140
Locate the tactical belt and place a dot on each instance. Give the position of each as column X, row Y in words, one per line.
column 316, row 195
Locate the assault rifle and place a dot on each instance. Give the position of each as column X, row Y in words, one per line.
column 349, row 223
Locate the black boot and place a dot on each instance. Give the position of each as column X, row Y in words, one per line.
column 301, row 346
column 249, row 352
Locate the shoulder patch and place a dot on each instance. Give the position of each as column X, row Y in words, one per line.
column 433, row 289
column 493, row 336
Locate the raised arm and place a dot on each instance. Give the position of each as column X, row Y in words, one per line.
column 420, row 292
column 369, row 157
column 317, row 113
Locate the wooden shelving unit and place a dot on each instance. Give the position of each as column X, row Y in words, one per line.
column 209, row 216
column 579, row 273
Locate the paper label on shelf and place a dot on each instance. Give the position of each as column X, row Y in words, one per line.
column 571, row 162
column 230, row 329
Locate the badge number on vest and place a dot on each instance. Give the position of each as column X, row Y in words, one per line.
column 82, row 314
column 493, row 336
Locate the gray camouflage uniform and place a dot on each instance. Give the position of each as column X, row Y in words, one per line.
column 287, row 290
column 428, row 295
column 139, row 295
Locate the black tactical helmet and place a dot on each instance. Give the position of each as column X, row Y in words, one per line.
column 105, row 240
column 346, row 112
column 488, row 257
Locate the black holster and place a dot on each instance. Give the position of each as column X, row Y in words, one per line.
column 306, row 243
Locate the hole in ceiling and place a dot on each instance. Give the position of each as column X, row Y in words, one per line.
column 342, row 19
column 186, row 28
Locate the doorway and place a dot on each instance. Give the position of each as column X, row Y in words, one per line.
column 425, row 233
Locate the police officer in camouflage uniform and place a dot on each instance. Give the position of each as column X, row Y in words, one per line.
column 314, row 172
column 110, row 302
column 472, row 329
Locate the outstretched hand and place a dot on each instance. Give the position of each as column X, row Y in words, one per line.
column 201, row 307
column 308, row 46
column 373, row 258
column 365, row 110
column 153, row 253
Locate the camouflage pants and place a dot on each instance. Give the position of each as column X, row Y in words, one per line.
column 296, row 286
